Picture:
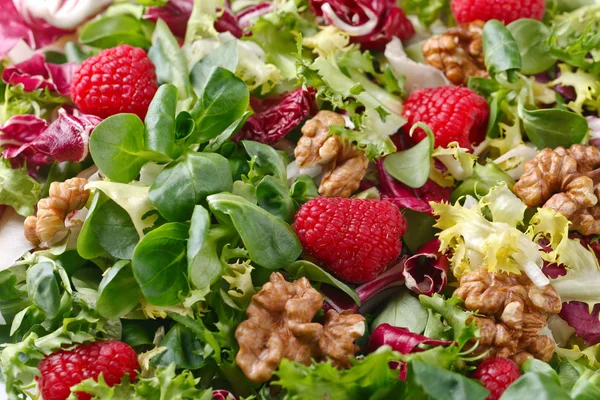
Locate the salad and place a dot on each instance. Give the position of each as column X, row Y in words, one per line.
column 300, row 199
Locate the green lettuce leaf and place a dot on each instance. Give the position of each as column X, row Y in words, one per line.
column 166, row 384
column 341, row 80
column 370, row 377
column 586, row 85
column 18, row 189
column 575, row 38
column 492, row 244
column 581, row 283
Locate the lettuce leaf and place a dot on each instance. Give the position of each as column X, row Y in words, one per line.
column 18, row 189
column 369, row 377
column 582, row 281
column 166, row 384
column 459, row 162
column 341, row 80
column 427, row 11
column 586, row 85
column 575, row 38
column 19, row 360
column 495, row 244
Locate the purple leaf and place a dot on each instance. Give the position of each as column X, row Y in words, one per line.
column 36, row 73
column 27, row 138
column 21, row 129
column 278, row 115
column 13, row 28
column 401, row 340
column 222, row 395
column 370, row 293
column 586, row 324
column 406, row 197
column 176, row 14
column 247, row 17
column 372, row 23
column 426, row 272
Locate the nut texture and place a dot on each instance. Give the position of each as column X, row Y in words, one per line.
column 514, row 311
column 566, row 181
column 65, row 197
column 279, row 326
column 344, row 166
column 458, row 52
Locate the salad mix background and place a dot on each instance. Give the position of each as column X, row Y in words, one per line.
column 297, row 199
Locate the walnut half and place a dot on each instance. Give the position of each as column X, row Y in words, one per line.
column 458, row 52
column 65, row 197
column 511, row 312
column 344, row 166
column 279, row 326
column 567, row 181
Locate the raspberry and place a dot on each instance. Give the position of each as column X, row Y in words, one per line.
column 355, row 239
column 497, row 374
column 117, row 80
column 454, row 114
column 63, row 369
column 506, row 11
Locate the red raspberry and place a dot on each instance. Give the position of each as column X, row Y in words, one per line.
column 506, row 11
column 454, row 114
column 117, row 80
column 497, row 374
column 64, row 369
column 355, row 239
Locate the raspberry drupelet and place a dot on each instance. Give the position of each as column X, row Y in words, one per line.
column 117, row 80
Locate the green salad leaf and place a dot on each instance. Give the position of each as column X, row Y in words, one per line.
column 18, row 189
column 531, row 37
column 412, row 166
column 118, row 292
column 223, row 100
column 171, row 63
column 188, row 181
column 118, row 149
column 500, row 49
column 270, row 241
column 111, row 31
column 160, row 264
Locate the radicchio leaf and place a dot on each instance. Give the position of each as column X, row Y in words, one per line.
column 426, row 272
column 401, row 340
column 28, row 138
column 372, row 23
column 222, row 395
column 406, row 197
column 36, row 73
column 176, row 14
column 370, row 293
column 247, row 16
column 586, row 324
column 13, row 27
column 278, row 115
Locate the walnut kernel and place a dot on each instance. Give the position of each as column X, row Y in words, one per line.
column 279, row 326
column 511, row 312
column 344, row 166
column 567, row 181
column 458, row 52
column 49, row 222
